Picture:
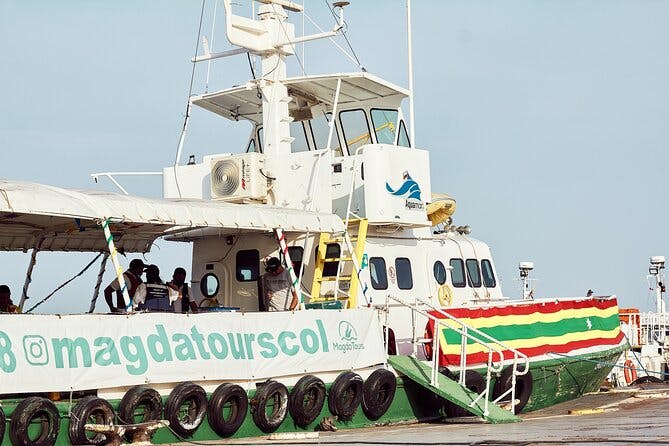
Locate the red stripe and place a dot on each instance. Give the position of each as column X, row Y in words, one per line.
column 530, row 308
column 479, row 358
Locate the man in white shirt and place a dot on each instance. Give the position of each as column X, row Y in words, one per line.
column 179, row 283
column 132, row 277
column 279, row 294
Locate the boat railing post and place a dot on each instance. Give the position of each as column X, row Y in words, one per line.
column 435, row 352
column 96, row 291
column 463, row 353
column 414, row 338
column 29, row 272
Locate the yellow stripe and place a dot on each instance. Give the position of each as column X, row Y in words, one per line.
column 495, row 321
column 454, row 349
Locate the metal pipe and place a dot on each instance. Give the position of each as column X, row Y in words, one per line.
column 29, row 272
column 412, row 133
column 96, row 291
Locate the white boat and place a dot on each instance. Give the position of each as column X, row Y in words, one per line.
column 400, row 313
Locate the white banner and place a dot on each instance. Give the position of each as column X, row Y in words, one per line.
column 42, row 353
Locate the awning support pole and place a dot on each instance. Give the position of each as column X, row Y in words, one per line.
column 96, row 291
column 289, row 263
column 117, row 266
column 29, row 273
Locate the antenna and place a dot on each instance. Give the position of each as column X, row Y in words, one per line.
column 525, row 268
column 412, row 133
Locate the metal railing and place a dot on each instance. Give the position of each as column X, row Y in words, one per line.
column 492, row 346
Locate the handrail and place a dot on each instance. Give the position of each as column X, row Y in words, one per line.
column 464, row 331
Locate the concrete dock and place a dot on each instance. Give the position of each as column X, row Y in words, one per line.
column 628, row 416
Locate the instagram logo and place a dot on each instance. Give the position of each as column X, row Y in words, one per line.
column 34, row 346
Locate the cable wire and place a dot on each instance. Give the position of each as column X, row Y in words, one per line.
column 343, row 33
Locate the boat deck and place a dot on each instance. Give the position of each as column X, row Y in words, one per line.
column 637, row 415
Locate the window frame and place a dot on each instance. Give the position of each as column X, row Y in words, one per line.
column 396, row 123
column 397, row 273
column 306, row 137
column 434, row 272
column 400, row 127
column 492, row 274
column 461, row 262
column 385, row 273
column 470, row 278
column 203, row 284
column 343, row 131
column 238, row 268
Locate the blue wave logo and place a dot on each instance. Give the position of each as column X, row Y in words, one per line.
column 347, row 332
column 409, row 188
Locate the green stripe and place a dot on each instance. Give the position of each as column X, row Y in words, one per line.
column 537, row 329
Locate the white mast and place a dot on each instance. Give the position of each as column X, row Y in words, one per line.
column 412, row 133
column 655, row 270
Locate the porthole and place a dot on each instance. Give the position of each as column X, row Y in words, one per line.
column 439, row 272
column 209, row 285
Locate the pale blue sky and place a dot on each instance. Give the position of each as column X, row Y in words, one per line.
column 546, row 120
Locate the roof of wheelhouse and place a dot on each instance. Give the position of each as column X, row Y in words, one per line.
column 243, row 102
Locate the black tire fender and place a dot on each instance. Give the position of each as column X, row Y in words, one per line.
column 345, row 395
column 378, row 393
column 271, row 395
column 186, row 408
column 474, row 382
column 90, row 409
column 228, row 399
column 32, row 409
column 143, row 398
column 306, row 400
column 3, row 424
column 523, row 388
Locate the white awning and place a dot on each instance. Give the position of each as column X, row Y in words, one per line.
column 243, row 102
column 68, row 220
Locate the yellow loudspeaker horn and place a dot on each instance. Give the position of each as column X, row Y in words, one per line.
column 445, row 295
column 441, row 208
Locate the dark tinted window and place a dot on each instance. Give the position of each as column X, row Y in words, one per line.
column 474, row 273
column 458, row 273
column 333, row 251
column 209, row 285
column 295, row 253
column 403, row 139
column 377, row 272
column 439, row 271
column 248, row 265
column 404, row 277
column 488, row 274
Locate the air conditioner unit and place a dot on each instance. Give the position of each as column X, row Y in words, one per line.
column 238, row 178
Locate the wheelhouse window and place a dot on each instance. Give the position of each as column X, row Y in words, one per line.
column 333, row 251
column 247, row 265
column 355, row 128
column 251, row 147
column 385, row 124
column 300, row 143
column 320, row 127
column 403, row 139
column 295, row 253
column 439, row 271
column 377, row 272
column 473, row 273
column 488, row 274
column 458, row 273
column 404, row 277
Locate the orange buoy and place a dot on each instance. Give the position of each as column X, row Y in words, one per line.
column 630, row 372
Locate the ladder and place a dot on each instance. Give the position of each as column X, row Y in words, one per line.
column 354, row 247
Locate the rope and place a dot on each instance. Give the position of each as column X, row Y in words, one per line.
column 65, row 283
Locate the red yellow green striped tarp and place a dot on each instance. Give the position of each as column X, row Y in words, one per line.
column 534, row 328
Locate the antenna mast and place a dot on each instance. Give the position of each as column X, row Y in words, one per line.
column 412, row 133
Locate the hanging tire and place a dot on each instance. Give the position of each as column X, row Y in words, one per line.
column 186, row 408
column 90, row 409
column 34, row 410
column 523, row 388
column 306, row 400
column 474, row 382
column 269, row 406
column 378, row 393
column 139, row 405
column 345, row 395
column 227, row 409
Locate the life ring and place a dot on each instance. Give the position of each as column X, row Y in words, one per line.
column 523, row 388
column 630, row 372
column 473, row 382
column 273, row 396
column 345, row 395
column 445, row 295
column 31, row 411
column 90, row 409
column 144, row 398
column 378, row 393
column 186, row 408
column 306, row 400
column 228, row 399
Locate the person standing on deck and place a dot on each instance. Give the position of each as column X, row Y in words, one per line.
column 179, row 283
column 276, row 287
column 154, row 295
column 133, row 278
